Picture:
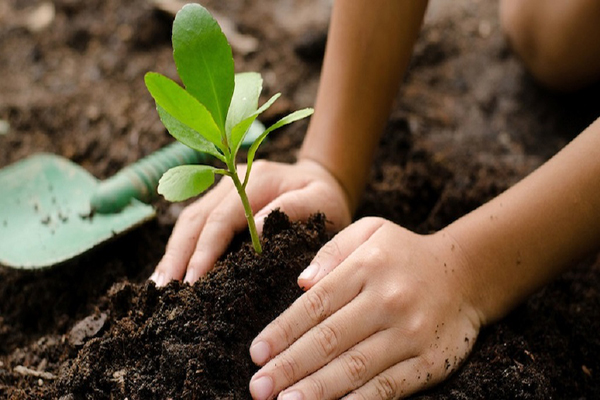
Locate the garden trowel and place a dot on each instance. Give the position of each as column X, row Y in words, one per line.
column 52, row 210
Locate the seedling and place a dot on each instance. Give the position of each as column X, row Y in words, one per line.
column 214, row 111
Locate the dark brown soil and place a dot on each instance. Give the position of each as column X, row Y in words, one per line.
column 190, row 342
column 468, row 123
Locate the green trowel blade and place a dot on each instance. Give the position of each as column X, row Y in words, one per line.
column 45, row 215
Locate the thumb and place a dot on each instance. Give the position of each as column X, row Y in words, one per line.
column 292, row 203
column 301, row 203
column 338, row 249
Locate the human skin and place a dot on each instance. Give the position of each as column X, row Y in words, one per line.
column 387, row 312
column 557, row 40
column 367, row 54
column 204, row 229
column 384, row 321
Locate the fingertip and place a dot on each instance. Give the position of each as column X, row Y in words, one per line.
column 259, row 221
column 260, row 216
column 171, row 266
column 199, row 265
column 305, row 286
column 191, row 276
column 307, row 277
column 309, row 273
column 260, row 352
column 158, row 278
column 261, row 387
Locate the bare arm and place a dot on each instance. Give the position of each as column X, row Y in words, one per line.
column 368, row 51
column 369, row 48
column 383, row 309
column 522, row 239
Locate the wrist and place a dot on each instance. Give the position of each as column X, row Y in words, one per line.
column 492, row 284
column 349, row 189
column 461, row 274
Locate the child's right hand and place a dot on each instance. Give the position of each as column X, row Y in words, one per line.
column 205, row 228
column 387, row 313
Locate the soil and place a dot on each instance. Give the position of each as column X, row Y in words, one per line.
column 469, row 122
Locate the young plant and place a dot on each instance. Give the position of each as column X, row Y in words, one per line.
column 215, row 110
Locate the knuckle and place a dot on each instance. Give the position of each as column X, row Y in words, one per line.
column 288, row 368
column 316, row 387
column 356, row 365
column 291, row 204
column 260, row 163
column 417, row 325
column 375, row 257
column 429, row 371
column 375, row 220
column 260, row 167
column 402, row 297
column 218, row 216
column 357, row 395
column 385, row 386
column 190, row 213
column 394, row 299
column 367, row 263
column 331, row 250
column 316, row 304
column 331, row 194
column 283, row 329
column 426, row 361
column 327, row 340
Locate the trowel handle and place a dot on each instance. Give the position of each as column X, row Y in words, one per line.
column 140, row 180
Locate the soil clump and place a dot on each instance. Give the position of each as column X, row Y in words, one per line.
column 468, row 123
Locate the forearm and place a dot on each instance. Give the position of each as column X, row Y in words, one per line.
column 525, row 237
column 368, row 51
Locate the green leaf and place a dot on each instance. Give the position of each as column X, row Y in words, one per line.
column 187, row 135
column 204, row 60
column 295, row 116
column 244, row 102
column 186, row 181
column 176, row 101
column 239, row 130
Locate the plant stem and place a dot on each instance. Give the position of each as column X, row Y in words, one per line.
column 247, row 209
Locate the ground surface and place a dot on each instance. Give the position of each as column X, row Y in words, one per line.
column 469, row 123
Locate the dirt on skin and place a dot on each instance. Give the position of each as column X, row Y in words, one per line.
column 468, row 124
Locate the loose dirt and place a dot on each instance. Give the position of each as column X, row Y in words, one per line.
column 468, row 123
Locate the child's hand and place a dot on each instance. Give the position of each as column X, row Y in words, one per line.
column 205, row 228
column 385, row 316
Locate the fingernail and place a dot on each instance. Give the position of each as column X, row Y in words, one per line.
column 261, row 388
column 259, row 221
column 191, row 276
column 153, row 277
column 293, row 395
column 309, row 273
column 160, row 279
column 259, row 352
